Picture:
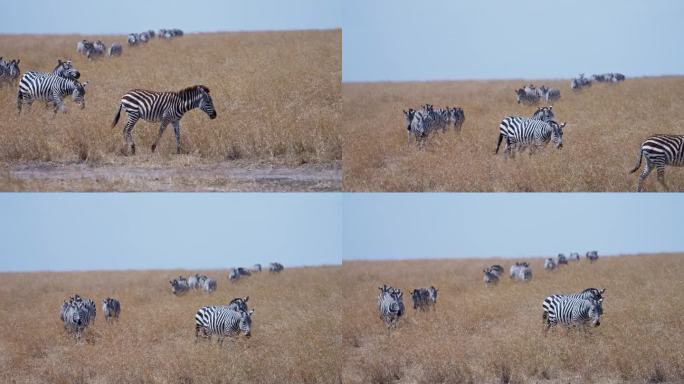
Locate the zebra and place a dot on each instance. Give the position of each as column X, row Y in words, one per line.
column 587, row 294
column 390, row 305
column 592, row 256
column 77, row 314
column 580, row 82
column 111, row 309
column 256, row 268
column 522, row 132
column 133, row 39
column 562, row 259
column 549, row 94
column 115, row 50
column 569, row 311
column 490, row 277
column 194, row 281
column 222, row 321
column 575, row 256
column 51, row 88
column 91, row 49
column 424, row 298
column 456, row 116
column 521, row 271
column 239, row 304
column 9, row 71
column 179, row 286
column 496, row 269
column 234, row 275
column 414, row 124
column 275, row 267
column 549, row 264
column 660, row 150
column 542, row 113
column 527, row 97
column 209, row 285
column 165, row 107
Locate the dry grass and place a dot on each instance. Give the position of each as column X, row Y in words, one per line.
column 480, row 334
column 277, row 96
column 606, row 126
column 295, row 330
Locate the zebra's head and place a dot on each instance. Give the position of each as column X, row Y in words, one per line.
column 246, row 323
column 205, row 102
column 66, row 69
column 557, row 134
column 78, row 94
column 408, row 116
column 595, row 312
column 12, row 68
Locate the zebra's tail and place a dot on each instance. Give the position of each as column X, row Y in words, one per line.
column 116, row 117
column 498, row 144
column 641, row 153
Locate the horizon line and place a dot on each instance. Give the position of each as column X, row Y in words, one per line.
column 355, row 82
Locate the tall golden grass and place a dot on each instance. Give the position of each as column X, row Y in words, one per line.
column 277, row 95
column 606, row 125
column 295, row 329
column 495, row 334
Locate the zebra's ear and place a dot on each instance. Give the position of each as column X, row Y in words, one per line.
column 84, row 84
column 246, row 298
column 251, row 311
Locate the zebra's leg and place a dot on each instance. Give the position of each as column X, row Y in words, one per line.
column 129, row 145
column 162, row 127
column 647, row 170
column 176, row 131
column 660, row 173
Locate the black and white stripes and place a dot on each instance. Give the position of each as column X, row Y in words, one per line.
column 230, row 320
column 536, row 132
column 659, row 151
column 77, row 314
column 390, row 305
column 570, row 310
column 420, row 123
column 9, row 71
column 164, row 107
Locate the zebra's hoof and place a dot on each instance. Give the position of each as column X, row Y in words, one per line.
column 154, row 147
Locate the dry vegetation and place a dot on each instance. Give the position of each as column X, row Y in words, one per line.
column 606, row 125
column 277, row 95
column 479, row 334
column 295, row 330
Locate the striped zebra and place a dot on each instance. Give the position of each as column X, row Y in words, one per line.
column 490, row 277
column 50, row 88
column 111, row 309
column 222, row 321
column 165, row 107
column 521, row 132
column 592, row 256
column 587, row 294
column 208, row 285
column 194, row 281
column 580, row 82
column 77, row 313
column 179, row 286
column 424, row 298
column 390, row 305
column 549, row 94
column 549, row 264
column 571, row 311
column 527, row 95
column 542, row 113
column 234, row 275
column 456, row 117
column 521, row 271
column 275, row 267
column 562, row 260
column 115, row 50
column 660, row 150
column 9, row 71
column 496, row 269
column 239, row 304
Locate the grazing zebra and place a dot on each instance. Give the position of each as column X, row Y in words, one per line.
column 115, row 50
column 424, row 298
column 580, row 82
column 569, row 311
column 521, row 271
column 660, row 150
column 179, row 286
column 592, row 256
column 549, row 264
column 50, row 88
column 275, row 267
column 165, row 107
column 496, row 269
column 562, row 259
column 390, row 305
column 76, row 314
column 521, row 132
column 239, row 304
column 209, row 285
column 575, row 256
column 490, row 277
column 111, row 309
column 9, row 71
column 222, row 321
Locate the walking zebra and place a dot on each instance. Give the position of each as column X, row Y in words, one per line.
column 660, row 150
column 111, row 309
column 179, row 286
column 76, row 314
column 222, row 321
column 569, row 311
column 542, row 113
column 50, row 88
column 587, row 294
column 424, row 298
column 490, row 277
column 165, row 107
column 390, row 305
column 592, row 256
column 549, row 264
column 521, row 132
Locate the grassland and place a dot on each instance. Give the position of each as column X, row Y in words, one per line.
column 295, row 329
column 495, row 335
column 606, row 125
column 277, row 95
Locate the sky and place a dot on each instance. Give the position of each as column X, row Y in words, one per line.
column 456, row 225
column 126, row 16
column 403, row 40
column 93, row 231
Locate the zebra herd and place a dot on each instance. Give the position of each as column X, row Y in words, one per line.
column 551, row 263
column 581, row 81
column 95, row 49
column 428, row 119
column 238, row 273
column 78, row 313
column 529, row 94
column 182, row 285
column 143, row 37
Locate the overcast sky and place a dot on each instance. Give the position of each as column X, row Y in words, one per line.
column 403, row 40
column 86, row 231
column 126, row 16
column 441, row 225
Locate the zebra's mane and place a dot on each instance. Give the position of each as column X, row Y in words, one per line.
column 193, row 89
